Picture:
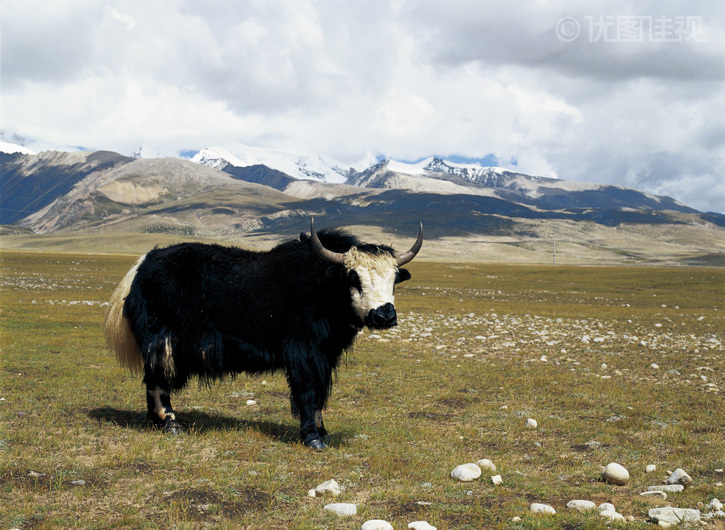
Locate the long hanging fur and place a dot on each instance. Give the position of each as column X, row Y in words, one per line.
column 119, row 337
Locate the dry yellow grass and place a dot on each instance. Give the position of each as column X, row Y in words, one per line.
column 479, row 349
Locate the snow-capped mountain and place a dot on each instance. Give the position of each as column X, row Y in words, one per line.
column 145, row 151
column 313, row 167
column 6, row 147
column 434, row 175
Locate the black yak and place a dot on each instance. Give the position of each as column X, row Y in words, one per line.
column 210, row 310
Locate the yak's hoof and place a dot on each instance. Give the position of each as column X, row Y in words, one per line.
column 173, row 427
column 316, row 444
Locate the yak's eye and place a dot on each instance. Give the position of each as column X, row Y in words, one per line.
column 355, row 281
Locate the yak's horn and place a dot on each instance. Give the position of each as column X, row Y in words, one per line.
column 408, row 256
column 328, row 255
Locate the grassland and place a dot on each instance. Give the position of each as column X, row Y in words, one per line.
column 479, row 349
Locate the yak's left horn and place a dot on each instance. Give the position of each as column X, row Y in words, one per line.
column 408, row 256
column 328, row 255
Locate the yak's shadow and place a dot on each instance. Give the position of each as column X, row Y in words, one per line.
column 200, row 422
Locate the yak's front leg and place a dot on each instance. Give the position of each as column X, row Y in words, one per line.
column 320, row 425
column 309, row 383
column 304, row 405
column 160, row 411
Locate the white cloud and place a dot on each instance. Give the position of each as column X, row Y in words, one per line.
column 353, row 80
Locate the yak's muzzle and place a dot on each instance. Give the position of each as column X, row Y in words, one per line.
column 382, row 317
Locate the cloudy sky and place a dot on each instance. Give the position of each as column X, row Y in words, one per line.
column 629, row 93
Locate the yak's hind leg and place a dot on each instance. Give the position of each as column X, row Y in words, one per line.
column 160, row 411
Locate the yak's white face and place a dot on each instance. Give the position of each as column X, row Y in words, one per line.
column 373, row 279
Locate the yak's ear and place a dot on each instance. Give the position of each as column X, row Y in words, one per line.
column 403, row 275
column 304, row 237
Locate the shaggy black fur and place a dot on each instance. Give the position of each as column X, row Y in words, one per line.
column 224, row 310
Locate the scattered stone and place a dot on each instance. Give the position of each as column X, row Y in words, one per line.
column 581, row 505
column 654, row 366
column 615, row 474
column 679, row 477
column 376, row 524
column 654, row 493
column 612, row 515
column 312, row 493
column 672, row 516
column 497, row 480
column 342, row 509
column 531, row 423
column 541, row 508
column 251, row 402
column 421, row 525
column 670, row 488
column 715, row 505
column 606, row 507
column 486, row 465
column 516, row 519
column 78, row 482
column 329, row 486
column 466, row 472
column 650, row 468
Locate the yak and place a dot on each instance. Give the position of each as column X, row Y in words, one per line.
column 207, row 310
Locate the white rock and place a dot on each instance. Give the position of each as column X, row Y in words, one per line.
column 615, row 474
column 654, row 493
column 670, row 488
column 376, row 524
column 715, row 505
column 654, row 365
column 679, row 477
column 541, row 508
column 612, row 515
column 606, row 507
column 581, row 505
column 329, row 486
column 421, row 525
column 650, row 468
column 516, row 519
column 674, row 515
column 312, row 493
column 531, row 423
column 497, row 480
column 486, row 465
column 251, row 402
column 78, row 482
column 342, row 509
column 466, row 472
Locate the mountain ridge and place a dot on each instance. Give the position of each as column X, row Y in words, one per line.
column 104, row 192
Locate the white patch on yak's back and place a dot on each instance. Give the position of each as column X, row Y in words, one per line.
column 377, row 279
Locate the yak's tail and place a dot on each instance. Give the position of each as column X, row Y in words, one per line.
column 119, row 337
